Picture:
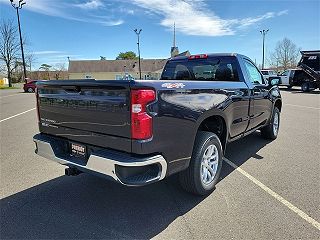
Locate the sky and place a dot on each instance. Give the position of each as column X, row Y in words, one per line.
column 88, row 29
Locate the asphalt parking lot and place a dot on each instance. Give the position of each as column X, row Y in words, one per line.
column 275, row 194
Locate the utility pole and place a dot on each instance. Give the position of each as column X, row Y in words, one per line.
column 263, row 32
column 18, row 7
column 138, row 34
column 174, row 35
column 68, row 67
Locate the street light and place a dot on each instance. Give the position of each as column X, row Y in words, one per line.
column 138, row 34
column 18, row 7
column 263, row 32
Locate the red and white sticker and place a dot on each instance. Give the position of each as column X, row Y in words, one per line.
column 173, row 85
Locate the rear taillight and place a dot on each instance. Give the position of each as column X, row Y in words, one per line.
column 141, row 121
column 37, row 102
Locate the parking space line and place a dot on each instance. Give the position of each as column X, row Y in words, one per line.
column 285, row 202
column 301, row 106
column 17, row 115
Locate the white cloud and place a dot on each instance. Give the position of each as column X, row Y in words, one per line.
column 192, row 17
column 71, row 11
column 93, row 4
column 250, row 21
column 47, row 52
column 112, row 23
column 189, row 16
column 284, row 12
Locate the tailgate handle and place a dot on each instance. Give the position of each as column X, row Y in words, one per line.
column 72, row 89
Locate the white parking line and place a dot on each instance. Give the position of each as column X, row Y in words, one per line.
column 302, row 106
column 16, row 115
column 285, row 202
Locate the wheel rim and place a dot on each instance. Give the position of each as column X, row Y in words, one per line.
column 305, row 86
column 275, row 124
column 209, row 164
column 30, row 90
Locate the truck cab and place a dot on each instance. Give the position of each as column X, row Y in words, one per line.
column 268, row 73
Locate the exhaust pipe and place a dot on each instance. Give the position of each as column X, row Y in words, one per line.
column 71, row 172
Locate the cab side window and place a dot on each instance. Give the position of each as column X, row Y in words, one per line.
column 254, row 74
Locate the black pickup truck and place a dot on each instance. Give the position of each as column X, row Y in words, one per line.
column 138, row 132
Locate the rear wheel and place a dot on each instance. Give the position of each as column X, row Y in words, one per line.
column 30, row 90
column 204, row 170
column 305, row 87
column 271, row 131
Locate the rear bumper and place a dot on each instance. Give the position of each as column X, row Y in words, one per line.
column 121, row 167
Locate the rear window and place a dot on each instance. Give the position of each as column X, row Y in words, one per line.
column 210, row 69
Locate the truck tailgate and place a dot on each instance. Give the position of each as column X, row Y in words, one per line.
column 99, row 111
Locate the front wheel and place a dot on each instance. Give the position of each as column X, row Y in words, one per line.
column 271, row 131
column 205, row 165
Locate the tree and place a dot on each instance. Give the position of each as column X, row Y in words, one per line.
column 127, row 55
column 9, row 47
column 285, row 55
column 46, row 68
column 103, row 58
column 59, row 68
column 30, row 59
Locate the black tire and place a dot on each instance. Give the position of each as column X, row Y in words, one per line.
column 305, row 87
column 269, row 132
column 190, row 179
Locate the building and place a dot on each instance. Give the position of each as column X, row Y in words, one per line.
column 3, row 80
column 116, row 69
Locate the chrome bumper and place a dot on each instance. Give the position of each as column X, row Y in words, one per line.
column 104, row 164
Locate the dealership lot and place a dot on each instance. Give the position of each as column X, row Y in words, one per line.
column 274, row 195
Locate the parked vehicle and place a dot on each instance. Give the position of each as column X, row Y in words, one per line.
column 268, row 73
column 310, row 64
column 293, row 77
column 306, row 75
column 140, row 131
column 30, row 86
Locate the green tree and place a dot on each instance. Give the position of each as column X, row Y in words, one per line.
column 127, row 55
column 45, row 67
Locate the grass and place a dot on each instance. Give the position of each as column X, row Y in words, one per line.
column 6, row 87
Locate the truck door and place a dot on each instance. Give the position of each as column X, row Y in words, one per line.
column 262, row 105
column 285, row 78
